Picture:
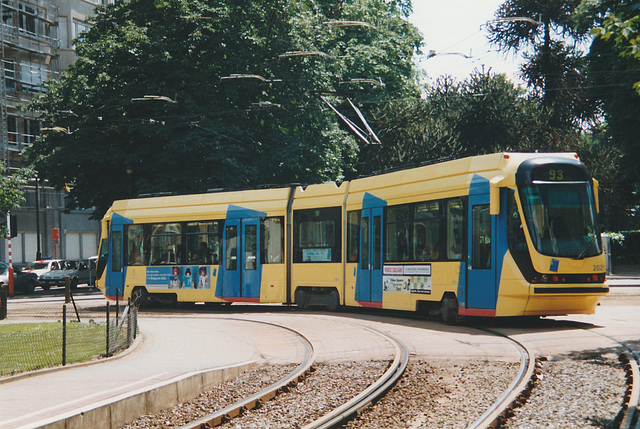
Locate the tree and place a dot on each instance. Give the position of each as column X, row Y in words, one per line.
column 485, row 113
column 238, row 85
column 612, row 72
column 625, row 35
column 11, row 194
column 547, row 33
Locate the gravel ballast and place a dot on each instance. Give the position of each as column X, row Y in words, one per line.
column 580, row 391
column 572, row 392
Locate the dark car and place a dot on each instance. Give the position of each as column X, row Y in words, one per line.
column 22, row 281
column 78, row 272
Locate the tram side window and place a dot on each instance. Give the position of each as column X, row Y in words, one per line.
column 203, row 241
column 426, row 240
column 166, row 244
column 397, row 233
column 455, row 228
column 135, row 248
column 231, row 257
column 103, row 257
column 353, row 234
column 116, row 244
column 317, row 235
column 481, row 236
column 272, row 240
column 516, row 237
column 425, row 231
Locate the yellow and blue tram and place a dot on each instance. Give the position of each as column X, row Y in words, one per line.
column 506, row 234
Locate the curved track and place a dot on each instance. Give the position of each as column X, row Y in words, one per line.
column 630, row 416
column 375, row 391
column 264, row 395
column 331, row 419
column 519, row 389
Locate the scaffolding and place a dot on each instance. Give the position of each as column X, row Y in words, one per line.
column 29, row 43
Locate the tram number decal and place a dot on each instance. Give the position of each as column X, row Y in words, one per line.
column 598, row 268
column 556, row 174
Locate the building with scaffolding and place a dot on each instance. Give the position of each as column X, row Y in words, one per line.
column 36, row 44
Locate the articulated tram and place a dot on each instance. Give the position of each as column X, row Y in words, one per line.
column 506, row 234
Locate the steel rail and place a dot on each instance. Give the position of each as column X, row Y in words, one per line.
column 257, row 399
column 631, row 406
column 517, row 391
column 376, row 390
column 630, row 413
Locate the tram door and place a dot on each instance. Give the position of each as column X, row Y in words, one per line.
column 116, row 271
column 481, row 278
column 369, row 285
column 241, row 258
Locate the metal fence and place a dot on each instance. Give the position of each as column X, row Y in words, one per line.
column 36, row 334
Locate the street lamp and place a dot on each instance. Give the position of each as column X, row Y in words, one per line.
column 513, row 19
column 57, row 129
column 249, row 76
column 349, row 24
column 289, row 54
column 155, row 98
column 357, row 81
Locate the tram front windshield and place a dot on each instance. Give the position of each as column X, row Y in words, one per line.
column 561, row 218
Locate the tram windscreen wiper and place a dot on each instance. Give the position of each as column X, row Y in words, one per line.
column 587, row 247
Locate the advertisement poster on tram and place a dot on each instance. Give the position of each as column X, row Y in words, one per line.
column 407, row 279
column 179, row 277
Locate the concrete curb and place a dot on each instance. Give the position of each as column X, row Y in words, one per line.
column 116, row 412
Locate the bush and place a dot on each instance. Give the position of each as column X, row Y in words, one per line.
column 627, row 250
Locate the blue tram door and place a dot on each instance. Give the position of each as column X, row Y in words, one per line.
column 241, row 266
column 482, row 289
column 251, row 266
column 115, row 285
column 369, row 282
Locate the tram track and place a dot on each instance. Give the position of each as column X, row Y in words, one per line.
column 630, row 357
column 596, row 386
column 498, row 414
column 333, row 418
column 345, row 412
column 259, row 398
column 516, row 393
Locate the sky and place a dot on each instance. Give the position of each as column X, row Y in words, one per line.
column 454, row 27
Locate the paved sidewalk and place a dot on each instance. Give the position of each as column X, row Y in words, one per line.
column 182, row 355
column 624, row 278
column 177, row 358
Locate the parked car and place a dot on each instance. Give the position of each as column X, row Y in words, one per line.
column 78, row 272
column 42, row 266
column 22, row 281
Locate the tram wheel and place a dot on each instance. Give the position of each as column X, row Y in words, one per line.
column 449, row 309
column 333, row 301
column 302, row 299
column 138, row 296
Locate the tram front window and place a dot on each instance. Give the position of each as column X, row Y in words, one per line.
column 562, row 219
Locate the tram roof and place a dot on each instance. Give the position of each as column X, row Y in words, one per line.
column 442, row 177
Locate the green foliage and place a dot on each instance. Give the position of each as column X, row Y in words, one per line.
column 547, row 33
column 625, row 247
column 612, row 73
column 483, row 114
column 269, row 126
column 625, row 34
column 11, row 193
